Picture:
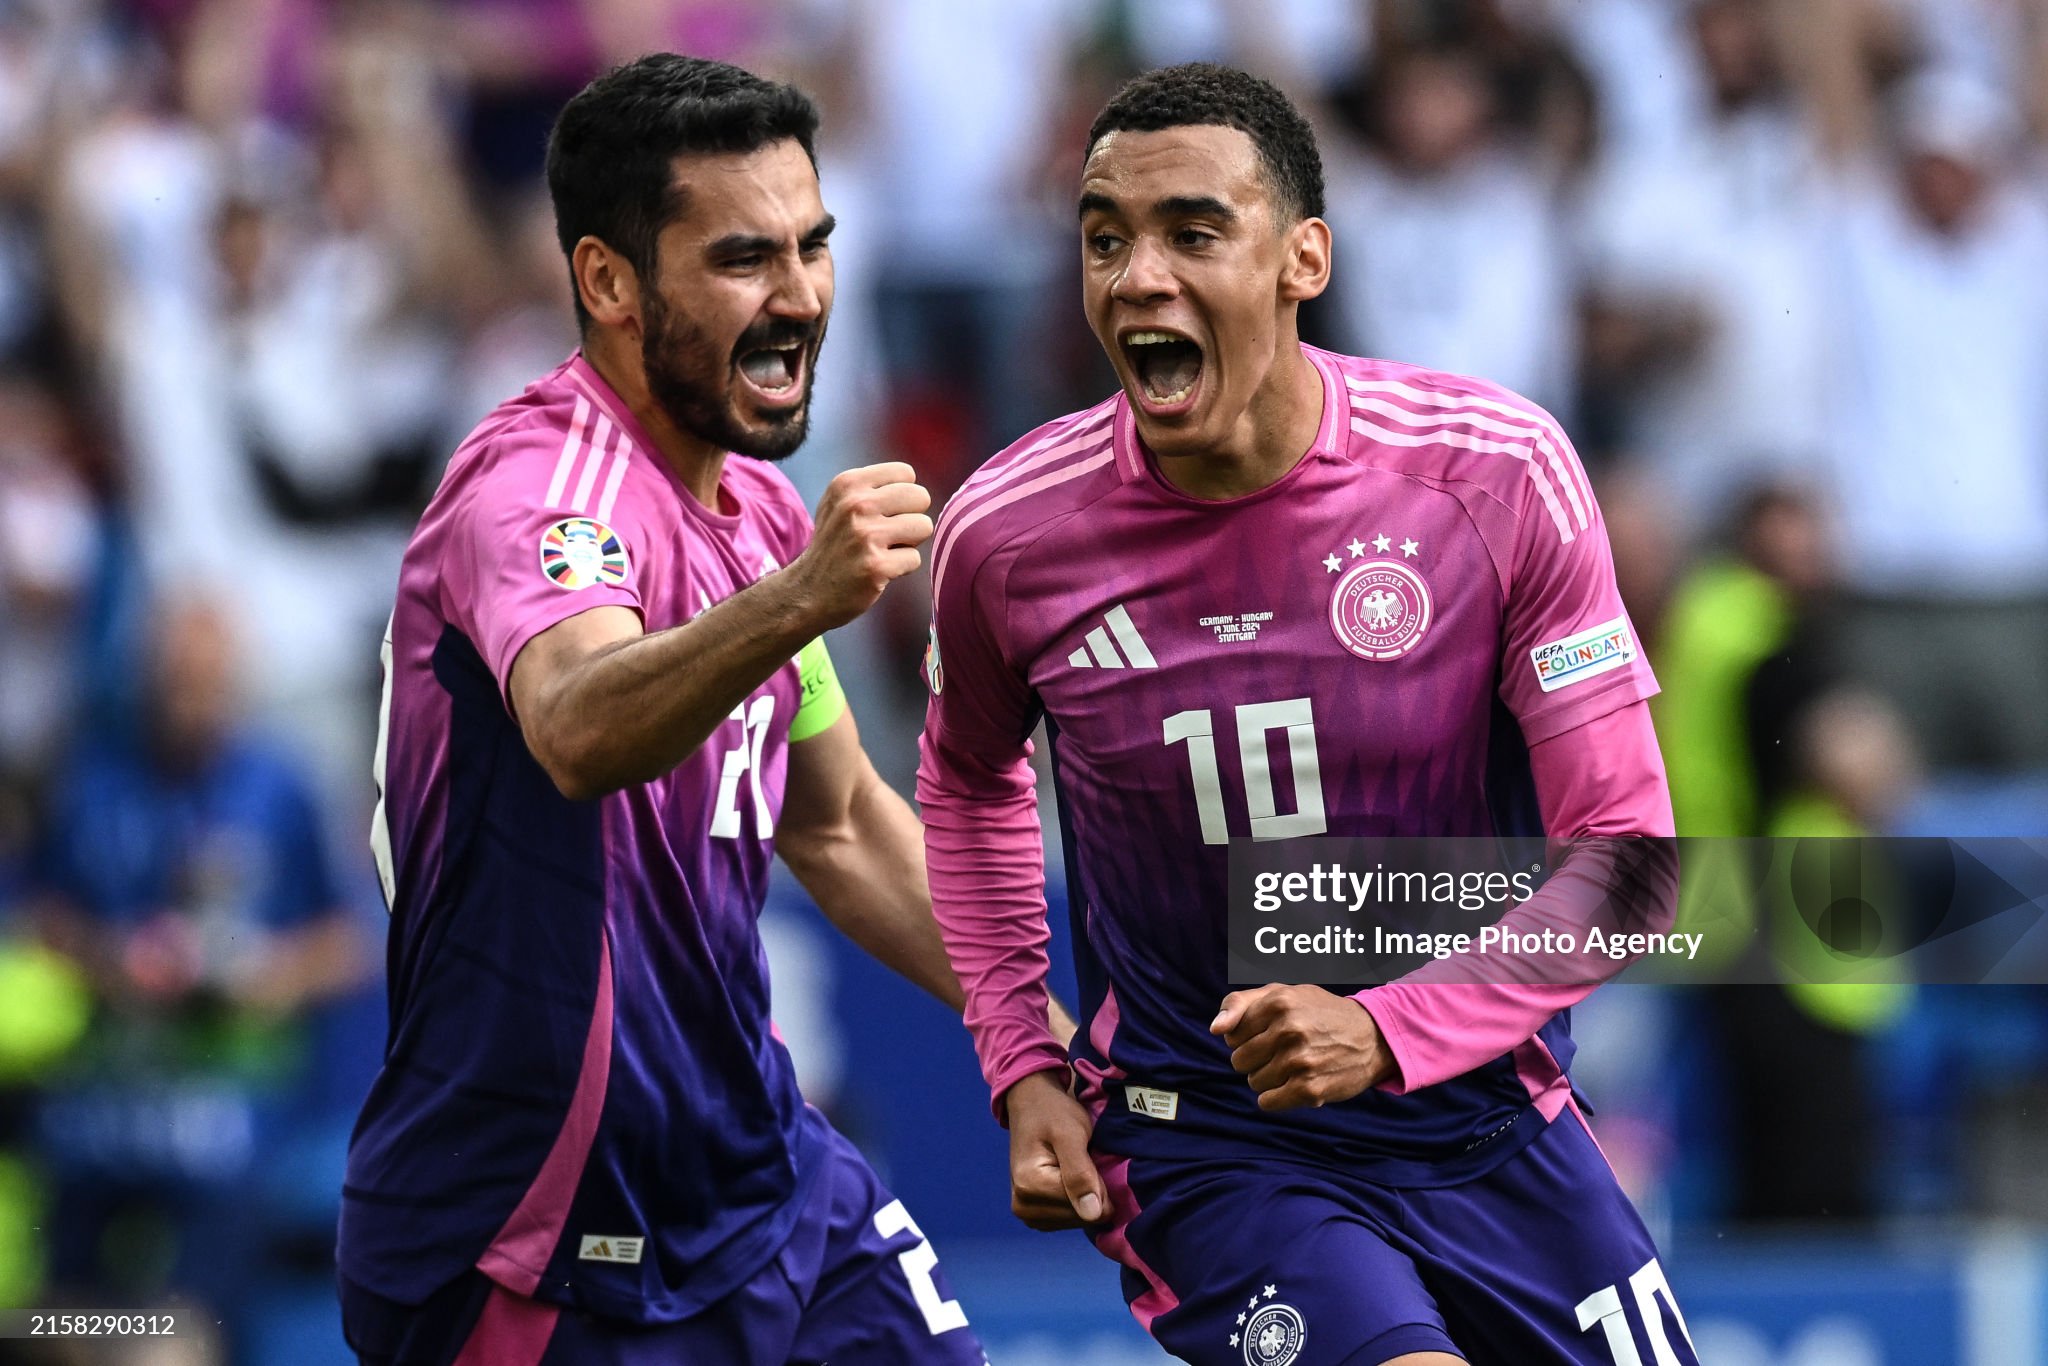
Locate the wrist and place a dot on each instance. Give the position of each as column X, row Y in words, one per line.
column 1033, row 1087
column 795, row 604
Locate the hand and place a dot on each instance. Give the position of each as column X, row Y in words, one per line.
column 1302, row 1045
column 869, row 525
column 1053, row 1181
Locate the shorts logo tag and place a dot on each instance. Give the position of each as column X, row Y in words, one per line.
column 1144, row 1100
column 1588, row 654
column 614, row 1249
column 1271, row 1334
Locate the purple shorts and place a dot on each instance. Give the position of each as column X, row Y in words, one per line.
column 855, row 1285
column 1541, row 1261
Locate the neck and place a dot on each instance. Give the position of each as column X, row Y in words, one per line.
column 696, row 462
column 1269, row 438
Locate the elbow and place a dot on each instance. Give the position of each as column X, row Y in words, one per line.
column 571, row 763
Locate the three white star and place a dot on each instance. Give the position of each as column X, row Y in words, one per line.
column 1333, row 564
column 1409, row 548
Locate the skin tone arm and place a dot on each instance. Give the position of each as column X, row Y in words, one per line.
column 856, row 847
column 604, row 706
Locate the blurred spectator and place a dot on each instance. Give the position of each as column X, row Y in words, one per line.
column 187, row 876
column 50, row 547
column 1449, row 239
column 957, row 125
column 278, row 317
column 1762, row 738
column 1704, row 334
column 1937, row 286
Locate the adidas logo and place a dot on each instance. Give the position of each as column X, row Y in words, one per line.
column 1104, row 652
column 625, row 1250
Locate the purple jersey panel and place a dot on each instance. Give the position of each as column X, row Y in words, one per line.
column 1367, row 647
column 581, row 1094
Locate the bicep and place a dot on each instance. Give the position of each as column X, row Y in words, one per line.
column 545, row 661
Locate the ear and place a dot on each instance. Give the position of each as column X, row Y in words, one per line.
column 1306, row 271
column 608, row 284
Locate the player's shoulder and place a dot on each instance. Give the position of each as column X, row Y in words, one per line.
column 1051, row 471
column 518, row 447
column 1451, row 428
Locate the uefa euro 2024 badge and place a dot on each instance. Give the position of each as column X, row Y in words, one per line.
column 1380, row 608
column 577, row 553
column 1271, row 1334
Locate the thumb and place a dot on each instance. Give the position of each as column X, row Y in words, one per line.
column 1078, row 1175
column 1233, row 1011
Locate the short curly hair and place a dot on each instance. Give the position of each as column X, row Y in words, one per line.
column 1195, row 93
column 610, row 155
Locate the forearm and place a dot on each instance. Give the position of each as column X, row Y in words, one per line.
column 1608, row 809
column 1459, row 1012
column 867, row 875
column 987, row 870
column 630, row 711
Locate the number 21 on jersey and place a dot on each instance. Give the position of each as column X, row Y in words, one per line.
column 1254, row 723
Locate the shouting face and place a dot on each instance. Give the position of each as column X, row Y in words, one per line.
column 1190, row 278
column 735, row 311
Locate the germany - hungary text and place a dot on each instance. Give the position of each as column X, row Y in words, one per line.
column 1271, row 939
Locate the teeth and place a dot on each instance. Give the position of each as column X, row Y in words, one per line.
column 1176, row 396
column 1152, row 338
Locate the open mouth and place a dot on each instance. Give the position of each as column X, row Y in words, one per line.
column 776, row 373
column 1168, row 367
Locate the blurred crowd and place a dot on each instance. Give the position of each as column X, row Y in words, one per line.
column 1780, row 266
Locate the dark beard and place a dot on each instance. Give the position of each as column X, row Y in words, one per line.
column 693, row 383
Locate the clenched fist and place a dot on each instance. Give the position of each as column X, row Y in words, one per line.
column 1302, row 1045
column 869, row 525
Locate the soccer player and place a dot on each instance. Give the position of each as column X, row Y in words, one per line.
column 1269, row 592
column 607, row 707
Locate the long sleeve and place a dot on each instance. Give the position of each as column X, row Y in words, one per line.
column 1608, row 814
column 1574, row 677
column 983, row 846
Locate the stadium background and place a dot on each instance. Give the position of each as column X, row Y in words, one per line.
column 1777, row 264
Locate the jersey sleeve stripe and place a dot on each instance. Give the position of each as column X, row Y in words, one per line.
column 570, row 447
column 1473, row 443
column 1360, row 404
column 1048, row 450
column 598, row 438
column 1001, row 472
column 1059, row 476
column 1568, row 473
column 617, row 476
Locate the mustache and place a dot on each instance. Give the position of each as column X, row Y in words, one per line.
column 778, row 333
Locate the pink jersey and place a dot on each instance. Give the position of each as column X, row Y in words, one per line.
column 580, row 1051
column 1371, row 646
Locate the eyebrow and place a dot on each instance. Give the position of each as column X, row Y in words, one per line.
column 1174, row 206
column 754, row 243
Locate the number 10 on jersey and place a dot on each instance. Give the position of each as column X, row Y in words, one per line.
column 1255, row 723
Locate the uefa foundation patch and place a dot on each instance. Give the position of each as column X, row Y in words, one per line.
column 1588, row 654
column 577, row 553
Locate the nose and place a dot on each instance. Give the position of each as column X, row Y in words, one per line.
column 797, row 296
column 1146, row 276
